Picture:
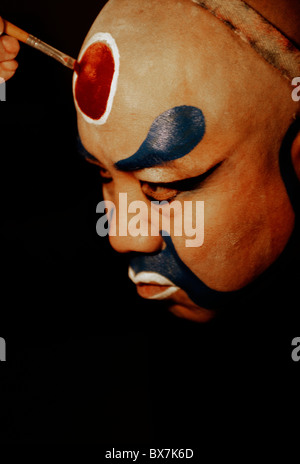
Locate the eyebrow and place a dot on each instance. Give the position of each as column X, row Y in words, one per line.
column 172, row 135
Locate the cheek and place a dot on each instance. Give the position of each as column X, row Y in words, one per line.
column 228, row 255
column 108, row 191
column 242, row 236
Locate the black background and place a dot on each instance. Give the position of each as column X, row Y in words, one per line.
column 87, row 360
column 76, row 361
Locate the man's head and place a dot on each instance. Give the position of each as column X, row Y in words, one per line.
column 174, row 59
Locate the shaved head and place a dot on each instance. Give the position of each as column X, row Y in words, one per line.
column 165, row 63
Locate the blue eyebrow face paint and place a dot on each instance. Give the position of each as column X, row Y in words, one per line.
column 172, row 135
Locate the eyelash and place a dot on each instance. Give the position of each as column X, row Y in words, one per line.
column 169, row 193
column 149, row 189
column 154, row 192
column 158, row 192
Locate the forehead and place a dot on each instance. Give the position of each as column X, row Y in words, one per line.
column 168, row 63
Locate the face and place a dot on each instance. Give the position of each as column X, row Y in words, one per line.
column 187, row 124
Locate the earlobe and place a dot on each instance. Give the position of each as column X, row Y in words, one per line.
column 295, row 154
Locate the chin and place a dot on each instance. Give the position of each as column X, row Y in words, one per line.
column 195, row 314
column 182, row 306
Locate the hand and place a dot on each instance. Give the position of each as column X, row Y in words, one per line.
column 9, row 48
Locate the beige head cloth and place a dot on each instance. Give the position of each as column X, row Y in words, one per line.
column 258, row 32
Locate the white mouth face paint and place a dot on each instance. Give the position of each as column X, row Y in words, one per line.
column 95, row 78
column 155, row 279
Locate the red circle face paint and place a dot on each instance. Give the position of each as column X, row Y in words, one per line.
column 95, row 78
column 93, row 84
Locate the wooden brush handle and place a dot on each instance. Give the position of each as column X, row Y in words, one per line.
column 14, row 31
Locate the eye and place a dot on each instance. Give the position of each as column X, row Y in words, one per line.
column 158, row 192
column 104, row 173
column 169, row 190
column 105, row 176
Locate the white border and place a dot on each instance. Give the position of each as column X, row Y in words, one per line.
column 106, row 38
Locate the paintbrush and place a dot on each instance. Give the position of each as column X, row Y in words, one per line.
column 29, row 39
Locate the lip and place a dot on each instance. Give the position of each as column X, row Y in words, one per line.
column 151, row 285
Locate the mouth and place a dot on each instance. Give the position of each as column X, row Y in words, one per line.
column 152, row 285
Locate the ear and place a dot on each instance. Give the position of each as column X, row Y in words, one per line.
column 295, row 153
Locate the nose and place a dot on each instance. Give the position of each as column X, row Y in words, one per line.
column 130, row 227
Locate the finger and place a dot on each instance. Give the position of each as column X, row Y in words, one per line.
column 8, row 69
column 9, row 48
column 6, row 75
column 1, row 26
